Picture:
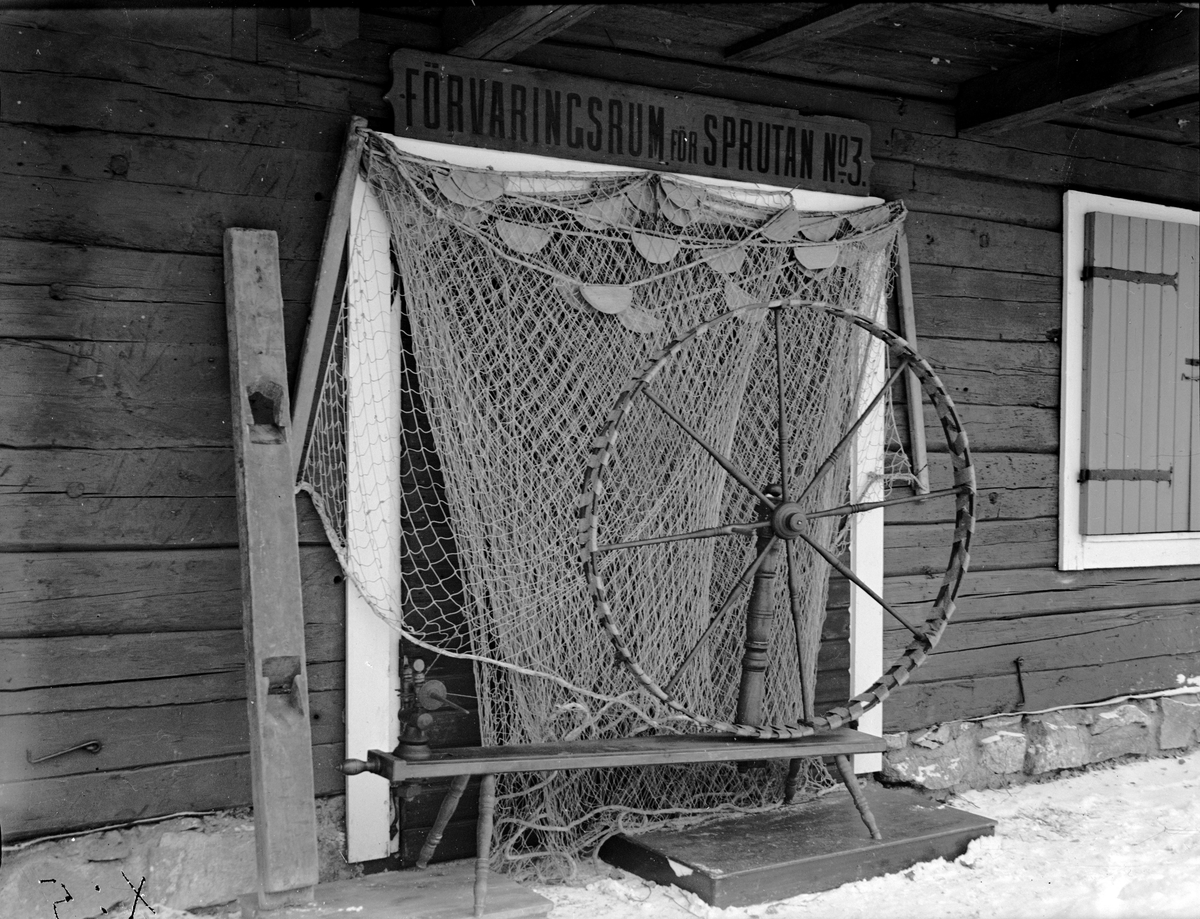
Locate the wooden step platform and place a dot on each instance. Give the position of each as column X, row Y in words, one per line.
column 443, row 891
column 758, row 858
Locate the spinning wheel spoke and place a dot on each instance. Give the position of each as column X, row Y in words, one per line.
column 846, row 509
column 732, row 529
column 858, row 422
column 846, row 572
column 784, row 466
column 742, row 583
column 726, row 464
column 807, row 690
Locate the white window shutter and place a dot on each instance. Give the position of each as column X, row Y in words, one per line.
column 1141, row 400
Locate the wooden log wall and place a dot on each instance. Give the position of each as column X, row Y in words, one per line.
column 132, row 139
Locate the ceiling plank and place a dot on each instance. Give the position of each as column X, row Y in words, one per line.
column 497, row 33
column 823, row 23
column 1151, row 57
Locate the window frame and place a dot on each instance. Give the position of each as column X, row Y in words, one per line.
column 1077, row 551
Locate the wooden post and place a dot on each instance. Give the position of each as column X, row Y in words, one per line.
column 912, row 386
column 281, row 768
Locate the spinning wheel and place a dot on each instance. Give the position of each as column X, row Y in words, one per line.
column 793, row 519
column 794, row 509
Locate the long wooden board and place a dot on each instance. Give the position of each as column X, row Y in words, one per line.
column 278, row 706
column 626, row 751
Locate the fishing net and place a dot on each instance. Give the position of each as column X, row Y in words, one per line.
column 492, row 319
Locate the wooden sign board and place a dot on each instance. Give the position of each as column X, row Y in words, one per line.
column 499, row 106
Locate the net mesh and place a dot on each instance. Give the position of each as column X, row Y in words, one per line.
column 492, row 319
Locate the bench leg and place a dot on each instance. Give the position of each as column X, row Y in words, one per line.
column 860, row 801
column 449, row 803
column 792, row 781
column 483, row 839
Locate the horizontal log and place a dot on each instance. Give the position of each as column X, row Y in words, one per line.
column 85, row 274
column 881, row 110
column 106, row 394
column 929, row 190
column 60, row 594
column 171, row 472
column 421, row 808
column 1054, row 641
column 182, row 73
column 920, row 705
column 50, row 522
column 196, row 165
column 74, row 102
column 365, row 59
column 992, row 503
column 78, row 802
column 132, row 737
column 458, row 838
column 53, row 314
column 967, row 242
column 996, row 373
column 156, row 217
column 1032, row 592
column 980, row 305
column 636, row 30
column 206, row 30
column 230, row 685
column 917, row 549
column 972, row 633
column 1059, row 157
column 28, row 663
column 101, row 395
column 992, row 428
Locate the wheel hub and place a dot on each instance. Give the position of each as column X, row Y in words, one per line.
column 789, row 520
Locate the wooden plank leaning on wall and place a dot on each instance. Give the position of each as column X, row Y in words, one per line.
column 281, row 768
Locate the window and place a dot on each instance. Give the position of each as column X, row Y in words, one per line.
column 1129, row 480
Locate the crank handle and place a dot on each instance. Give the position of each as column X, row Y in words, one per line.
column 358, row 766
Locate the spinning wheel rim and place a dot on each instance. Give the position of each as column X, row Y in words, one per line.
column 925, row 639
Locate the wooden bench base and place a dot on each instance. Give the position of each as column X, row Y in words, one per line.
column 460, row 762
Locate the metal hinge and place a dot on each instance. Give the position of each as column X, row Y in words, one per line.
column 1125, row 475
column 1131, row 276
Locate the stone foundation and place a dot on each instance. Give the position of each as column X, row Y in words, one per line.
column 1013, row 748
column 183, row 863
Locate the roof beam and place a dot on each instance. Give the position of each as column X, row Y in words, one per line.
column 1146, row 58
column 498, row 33
column 822, row 23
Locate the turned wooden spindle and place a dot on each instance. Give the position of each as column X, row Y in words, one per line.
column 759, row 615
column 860, row 801
column 449, row 804
column 483, row 839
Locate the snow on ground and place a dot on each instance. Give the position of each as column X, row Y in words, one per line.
column 1114, row 842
